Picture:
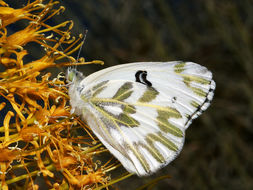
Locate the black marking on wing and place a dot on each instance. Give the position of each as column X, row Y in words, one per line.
column 174, row 99
column 199, row 109
column 141, row 77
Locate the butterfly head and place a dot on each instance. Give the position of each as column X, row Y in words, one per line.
column 73, row 76
column 74, row 79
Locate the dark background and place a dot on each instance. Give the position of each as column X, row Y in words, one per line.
column 217, row 34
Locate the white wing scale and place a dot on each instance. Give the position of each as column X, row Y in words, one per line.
column 142, row 117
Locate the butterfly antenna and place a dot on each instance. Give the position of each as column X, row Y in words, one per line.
column 78, row 55
column 79, row 52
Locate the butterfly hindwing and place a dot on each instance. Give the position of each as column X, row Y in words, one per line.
column 140, row 111
column 134, row 125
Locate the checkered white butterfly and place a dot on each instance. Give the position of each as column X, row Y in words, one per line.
column 140, row 111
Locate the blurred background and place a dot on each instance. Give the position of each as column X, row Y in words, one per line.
column 217, row 34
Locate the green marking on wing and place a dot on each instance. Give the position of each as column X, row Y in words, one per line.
column 141, row 158
column 198, row 91
column 124, row 91
column 165, row 125
column 99, row 88
column 130, row 109
column 149, row 95
column 98, row 91
column 158, row 137
column 194, row 104
column 187, row 79
column 164, row 113
column 128, row 146
column 99, row 85
column 191, row 78
column 152, row 149
column 84, row 98
column 127, row 120
column 178, row 68
column 123, row 117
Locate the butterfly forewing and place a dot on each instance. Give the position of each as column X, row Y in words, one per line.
column 140, row 111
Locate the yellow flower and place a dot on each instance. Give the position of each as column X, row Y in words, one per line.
column 9, row 15
column 38, row 129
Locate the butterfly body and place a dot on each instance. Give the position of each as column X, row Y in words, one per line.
column 140, row 111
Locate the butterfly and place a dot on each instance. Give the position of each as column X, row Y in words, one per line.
column 140, row 111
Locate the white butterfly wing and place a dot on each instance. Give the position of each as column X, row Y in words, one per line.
column 142, row 117
column 129, row 119
column 188, row 85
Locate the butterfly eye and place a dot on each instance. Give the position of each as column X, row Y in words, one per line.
column 70, row 74
column 73, row 75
